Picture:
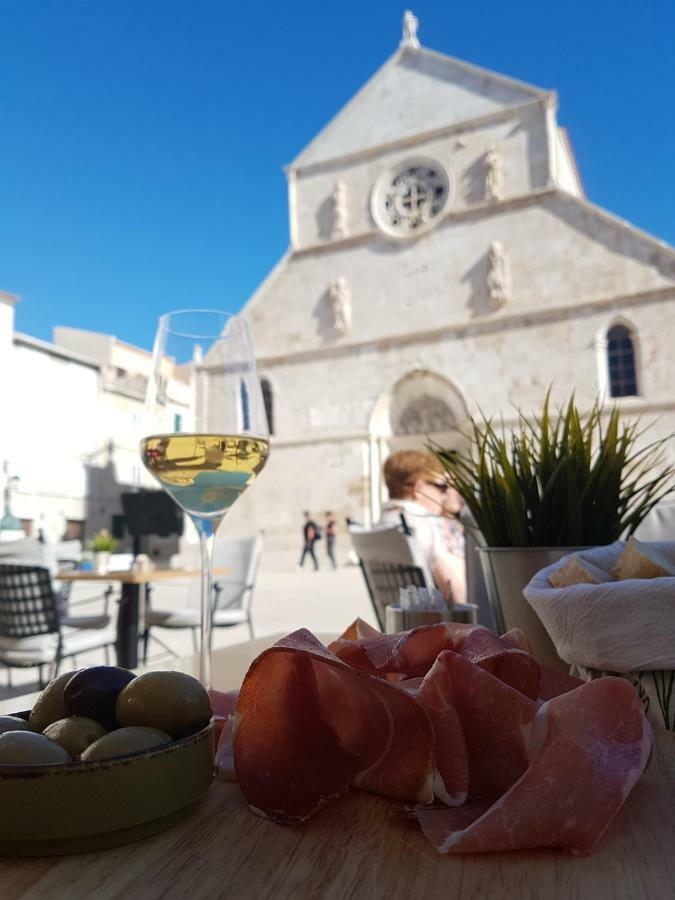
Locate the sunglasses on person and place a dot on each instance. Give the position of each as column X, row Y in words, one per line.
column 442, row 486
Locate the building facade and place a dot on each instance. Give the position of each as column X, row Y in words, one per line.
column 443, row 260
column 75, row 410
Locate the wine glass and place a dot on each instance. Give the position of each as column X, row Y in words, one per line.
column 204, row 359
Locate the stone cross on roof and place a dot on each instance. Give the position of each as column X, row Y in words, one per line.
column 410, row 26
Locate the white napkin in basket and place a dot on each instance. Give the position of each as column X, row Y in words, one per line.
column 619, row 626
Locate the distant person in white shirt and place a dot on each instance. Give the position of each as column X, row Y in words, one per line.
column 418, row 489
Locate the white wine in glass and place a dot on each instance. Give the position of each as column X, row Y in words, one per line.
column 206, row 467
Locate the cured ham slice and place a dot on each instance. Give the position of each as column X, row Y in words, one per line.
column 224, row 758
column 436, row 695
column 359, row 630
column 510, row 664
column 414, row 653
column 223, row 705
column 481, row 725
column 588, row 748
column 307, row 725
column 553, row 681
column 496, row 721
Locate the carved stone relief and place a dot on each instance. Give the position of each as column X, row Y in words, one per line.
column 339, row 211
column 498, row 276
column 340, row 301
column 494, row 187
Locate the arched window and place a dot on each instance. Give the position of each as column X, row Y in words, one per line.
column 268, row 400
column 621, row 362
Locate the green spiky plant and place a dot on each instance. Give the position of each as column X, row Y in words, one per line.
column 559, row 480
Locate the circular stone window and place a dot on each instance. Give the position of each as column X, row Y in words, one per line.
column 410, row 198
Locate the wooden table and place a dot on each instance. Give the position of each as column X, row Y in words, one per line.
column 357, row 848
column 128, row 616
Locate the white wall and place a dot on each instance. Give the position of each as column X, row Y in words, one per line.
column 6, row 334
column 52, row 411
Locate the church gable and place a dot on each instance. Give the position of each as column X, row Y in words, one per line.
column 416, row 91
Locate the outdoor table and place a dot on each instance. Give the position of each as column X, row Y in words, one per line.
column 359, row 846
column 128, row 615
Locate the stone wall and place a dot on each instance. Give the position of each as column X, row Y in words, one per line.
column 519, row 138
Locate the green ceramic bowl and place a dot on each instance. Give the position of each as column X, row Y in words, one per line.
column 78, row 807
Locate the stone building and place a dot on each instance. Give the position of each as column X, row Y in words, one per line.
column 443, row 259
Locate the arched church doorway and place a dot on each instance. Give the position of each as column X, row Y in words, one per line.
column 421, row 406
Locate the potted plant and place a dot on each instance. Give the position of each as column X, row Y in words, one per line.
column 558, row 482
column 102, row 545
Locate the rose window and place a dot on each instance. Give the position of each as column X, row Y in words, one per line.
column 411, row 198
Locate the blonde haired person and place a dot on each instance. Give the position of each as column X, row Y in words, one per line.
column 418, row 489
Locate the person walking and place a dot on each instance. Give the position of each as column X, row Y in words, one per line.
column 331, row 533
column 310, row 535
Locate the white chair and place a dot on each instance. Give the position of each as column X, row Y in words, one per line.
column 34, row 631
column 232, row 593
column 389, row 560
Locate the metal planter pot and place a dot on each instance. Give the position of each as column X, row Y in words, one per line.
column 507, row 570
column 398, row 619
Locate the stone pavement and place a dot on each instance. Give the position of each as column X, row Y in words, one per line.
column 324, row 601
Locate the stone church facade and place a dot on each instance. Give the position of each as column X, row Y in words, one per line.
column 443, row 260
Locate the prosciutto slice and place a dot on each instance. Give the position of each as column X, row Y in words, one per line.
column 307, row 726
column 553, row 681
column 223, row 705
column 497, row 723
column 588, row 748
column 414, row 653
column 436, row 695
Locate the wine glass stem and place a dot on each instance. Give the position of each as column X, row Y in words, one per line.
column 206, row 546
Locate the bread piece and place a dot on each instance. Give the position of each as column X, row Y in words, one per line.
column 577, row 570
column 638, row 560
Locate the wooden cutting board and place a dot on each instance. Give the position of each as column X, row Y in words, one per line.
column 360, row 848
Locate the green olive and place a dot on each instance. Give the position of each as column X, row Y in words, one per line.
column 75, row 734
column 13, row 723
column 175, row 702
column 123, row 741
column 49, row 706
column 92, row 693
column 29, row 749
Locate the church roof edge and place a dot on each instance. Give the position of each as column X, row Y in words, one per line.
column 411, row 51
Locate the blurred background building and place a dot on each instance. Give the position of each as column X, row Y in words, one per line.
column 443, row 259
column 76, row 408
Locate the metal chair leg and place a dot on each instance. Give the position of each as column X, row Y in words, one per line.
column 194, row 639
column 146, row 640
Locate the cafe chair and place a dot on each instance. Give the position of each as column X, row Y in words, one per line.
column 389, row 560
column 35, row 630
column 232, row 594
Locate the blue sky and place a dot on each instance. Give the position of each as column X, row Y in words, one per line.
column 143, row 141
